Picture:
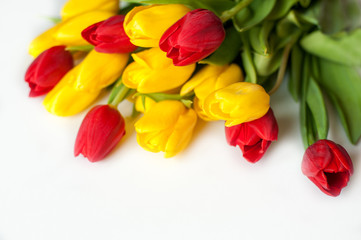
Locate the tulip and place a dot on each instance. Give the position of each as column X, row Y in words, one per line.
column 328, row 166
column 145, row 25
column 44, row 41
column 108, row 36
column 195, row 36
column 47, row 70
column 254, row 137
column 237, row 103
column 67, row 32
column 81, row 85
column 209, row 79
column 76, row 7
column 152, row 72
column 101, row 130
column 167, row 126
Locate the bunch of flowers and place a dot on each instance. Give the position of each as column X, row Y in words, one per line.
column 179, row 61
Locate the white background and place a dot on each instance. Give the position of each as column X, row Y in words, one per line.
column 207, row 192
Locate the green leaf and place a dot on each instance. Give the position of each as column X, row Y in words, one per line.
column 283, row 7
column 343, row 85
column 247, row 61
column 344, row 49
column 339, row 15
column 316, row 104
column 228, row 51
column 250, row 16
column 294, row 84
column 259, row 37
column 266, row 65
column 314, row 120
column 214, row 5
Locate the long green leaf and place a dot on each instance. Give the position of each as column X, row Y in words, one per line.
column 316, row 104
column 343, row 85
column 294, row 84
column 257, row 11
column 344, row 50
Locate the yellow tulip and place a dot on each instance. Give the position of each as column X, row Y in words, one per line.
column 167, row 126
column 81, row 85
column 237, row 103
column 43, row 42
column 209, row 79
column 64, row 100
column 69, row 31
column 99, row 70
column 145, row 25
column 152, row 72
column 66, row 32
column 75, row 7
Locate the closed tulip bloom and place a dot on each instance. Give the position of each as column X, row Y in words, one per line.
column 101, row 130
column 237, row 103
column 167, row 126
column 44, row 41
column 209, row 79
column 145, row 25
column 47, row 70
column 328, row 166
column 81, row 85
column 99, row 70
column 254, row 137
column 108, row 36
column 69, row 31
column 195, row 36
column 152, row 71
column 76, row 7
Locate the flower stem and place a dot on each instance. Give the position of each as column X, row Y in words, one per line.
column 122, row 92
column 228, row 14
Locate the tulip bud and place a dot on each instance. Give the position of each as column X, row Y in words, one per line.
column 47, row 70
column 145, row 24
column 152, row 72
column 328, row 166
column 237, row 103
column 167, row 126
column 195, row 36
column 81, row 85
column 254, row 137
column 209, row 79
column 76, row 7
column 108, row 36
column 69, row 31
column 100, row 131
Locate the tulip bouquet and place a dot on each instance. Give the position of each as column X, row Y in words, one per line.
column 180, row 61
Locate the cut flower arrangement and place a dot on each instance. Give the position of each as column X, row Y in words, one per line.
column 181, row 61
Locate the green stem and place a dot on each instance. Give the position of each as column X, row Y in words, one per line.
column 122, row 93
column 228, row 14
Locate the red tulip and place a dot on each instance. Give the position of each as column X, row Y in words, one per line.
column 100, row 131
column 254, row 137
column 47, row 70
column 195, row 36
column 327, row 165
column 108, row 36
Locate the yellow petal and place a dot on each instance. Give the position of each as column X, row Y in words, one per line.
column 145, row 25
column 76, row 7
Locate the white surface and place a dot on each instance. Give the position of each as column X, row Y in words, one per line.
column 207, row 192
